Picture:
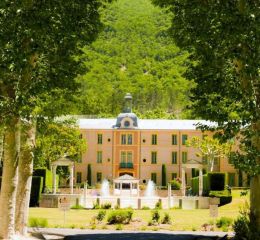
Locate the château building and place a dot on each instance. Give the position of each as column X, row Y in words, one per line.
column 139, row 147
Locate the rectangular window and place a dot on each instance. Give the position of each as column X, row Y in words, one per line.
column 231, row 179
column 154, row 157
column 99, row 139
column 99, row 156
column 216, row 160
column 127, row 139
column 174, row 139
column 154, row 139
column 126, row 159
column 184, row 138
column 79, row 176
column 174, row 176
column 99, row 176
column 153, row 177
column 174, row 157
column 184, row 157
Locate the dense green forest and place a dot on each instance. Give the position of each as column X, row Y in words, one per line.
column 135, row 53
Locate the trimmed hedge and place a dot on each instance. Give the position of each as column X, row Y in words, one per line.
column 195, row 186
column 37, row 185
column 211, row 182
column 164, row 175
column 217, row 181
column 224, row 196
column 46, row 175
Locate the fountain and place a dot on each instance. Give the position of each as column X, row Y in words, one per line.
column 150, row 189
column 105, row 188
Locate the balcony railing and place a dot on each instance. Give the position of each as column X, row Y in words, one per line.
column 126, row 165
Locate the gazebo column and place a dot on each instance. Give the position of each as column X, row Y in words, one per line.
column 131, row 187
column 54, row 187
column 183, row 181
column 71, row 178
column 200, row 182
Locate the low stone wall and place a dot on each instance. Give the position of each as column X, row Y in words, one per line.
column 51, row 200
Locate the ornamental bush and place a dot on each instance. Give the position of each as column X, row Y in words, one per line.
column 120, row 216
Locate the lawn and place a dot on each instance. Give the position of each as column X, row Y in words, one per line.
column 181, row 219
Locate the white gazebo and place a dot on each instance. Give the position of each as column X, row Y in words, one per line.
column 62, row 162
column 125, row 185
column 188, row 165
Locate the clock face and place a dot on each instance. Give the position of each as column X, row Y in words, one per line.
column 126, row 123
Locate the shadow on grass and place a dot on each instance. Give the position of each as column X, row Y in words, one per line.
column 141, row 236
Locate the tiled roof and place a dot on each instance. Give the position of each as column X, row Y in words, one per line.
column 145, row 124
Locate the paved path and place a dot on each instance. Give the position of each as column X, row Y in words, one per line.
column 77, row 234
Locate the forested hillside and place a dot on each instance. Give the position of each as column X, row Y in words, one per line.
column 134, row 53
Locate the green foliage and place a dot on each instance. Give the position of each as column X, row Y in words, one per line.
column 158, row 205
column 119, row 227
column 120, row 216
column 195, row 186
column 38, row 222
column 101, row 215
column 89, row 175
column 134, row 53
column 105, row 205
column 145, row 208
column 156, row 215
column 163, row 175
column 210, row 148
column 56, row 139
column 175, row 185
column 36, row 190
column 166, row 219
column 77, row 207
column 47, row 177
column 216, row 181
column 37, row 62
column 224, row 196
column 224, row 222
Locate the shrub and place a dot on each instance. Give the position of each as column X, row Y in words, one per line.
column 166, row 219
column 77, row 207
column 216, row 181
column 224, row 196
column 158, row 205
column 145, row 208
column 195, row 185
column 175, row 185
column 224, row 222
column 120, row 216
column 119, row 227
column 36, row 191
column 47, row 178
column 89, row 175
column 96, row 205
column 101, row 215
column 106, row 206
column 38, row 222
column 163, row 175
column 155, row 215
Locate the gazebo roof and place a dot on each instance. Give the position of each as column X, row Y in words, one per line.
column 126, row 178
column 193, row 164
column 63, row 161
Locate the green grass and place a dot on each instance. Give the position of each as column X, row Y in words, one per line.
column 181, row 219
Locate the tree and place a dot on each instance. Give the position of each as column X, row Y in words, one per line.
column 57, row 139
column 134, row 53
column 89, row 175
column 223, row 39
column 163, row 175
column 38, row 65
column 210, row 148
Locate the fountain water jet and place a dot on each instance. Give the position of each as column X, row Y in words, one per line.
column 105, row 188
column 150, row 189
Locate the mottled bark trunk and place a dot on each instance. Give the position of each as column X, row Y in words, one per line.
column 9, row 179
column 255, row 201
column 25, row 170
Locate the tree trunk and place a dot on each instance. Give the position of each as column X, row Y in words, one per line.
column 255, row 201
column 9, row 179
column 25, row 170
